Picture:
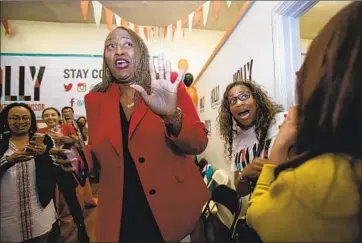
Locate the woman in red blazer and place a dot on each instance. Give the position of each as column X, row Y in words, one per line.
column 142, row 130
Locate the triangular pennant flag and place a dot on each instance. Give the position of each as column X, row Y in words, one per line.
column 153, row 32
column 178, row 29
column 84, row 8
column 131, row 26
column 118, row 20
column 145, row 31
column 97, row 9
column 216, row 5
column 228, row 3
column 164, row 32
column 205, row 12
column 198, row 14
column 6, row 26
column 137, row 29
column 173, row 31
column 184, row 21
column 124, row 23
column 141, row 32
column 169, row 32
column 160, row 33
column 109, row 18
column 191, row 17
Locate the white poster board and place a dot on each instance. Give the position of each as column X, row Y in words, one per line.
column 48, row 80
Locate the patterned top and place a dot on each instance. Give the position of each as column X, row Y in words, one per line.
column 245, row 144
column 22, row 216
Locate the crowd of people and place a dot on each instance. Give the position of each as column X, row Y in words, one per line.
column 34, row 162
column 298, row 171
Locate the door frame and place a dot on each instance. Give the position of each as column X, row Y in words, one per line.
column 286, row 48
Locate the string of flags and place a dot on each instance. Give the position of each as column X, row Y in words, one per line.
column 172, row 31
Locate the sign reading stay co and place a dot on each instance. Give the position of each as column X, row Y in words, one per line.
column 48, row 80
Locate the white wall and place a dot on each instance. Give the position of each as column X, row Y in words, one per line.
column 304, row 45
column 251, row 39
column 65, row 38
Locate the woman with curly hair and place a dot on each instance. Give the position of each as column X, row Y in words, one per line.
column 249, row 121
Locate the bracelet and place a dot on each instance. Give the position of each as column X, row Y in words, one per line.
column 170, row 120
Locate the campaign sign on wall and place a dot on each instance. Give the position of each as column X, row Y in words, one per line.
column 48, row 80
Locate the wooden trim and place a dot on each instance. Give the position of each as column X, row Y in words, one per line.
column 223, row 40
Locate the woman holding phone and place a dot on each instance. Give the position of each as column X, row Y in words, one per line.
column 64, row 136
column 27, row 209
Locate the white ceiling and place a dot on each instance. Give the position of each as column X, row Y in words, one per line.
column 318, row 16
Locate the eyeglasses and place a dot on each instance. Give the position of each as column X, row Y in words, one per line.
column 18, row 118
column 242, row 97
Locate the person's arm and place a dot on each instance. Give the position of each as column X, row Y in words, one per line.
column 185, row 129
column 242, row 184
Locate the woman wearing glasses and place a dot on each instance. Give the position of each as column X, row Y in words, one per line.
column 26, row 209
column 249, row 122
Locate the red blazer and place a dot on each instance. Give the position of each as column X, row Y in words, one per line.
column 163, row 163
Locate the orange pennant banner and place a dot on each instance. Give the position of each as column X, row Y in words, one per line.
column 124, row 23
column 84, row 9
column 137, row 29
column 197, row 17
column 145, row 31
column 184, row 20
column 6, row 26
column 109, row 18
column 164, row 32
column 173, row 31
column 153, row 33
column 216, row 5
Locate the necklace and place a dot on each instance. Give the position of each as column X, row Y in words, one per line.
column 130, row 105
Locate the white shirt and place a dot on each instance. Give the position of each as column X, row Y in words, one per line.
column 245, row 143
column 22, row 216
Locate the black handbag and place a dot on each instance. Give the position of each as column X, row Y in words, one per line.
column 210, row 228
column 242, row 232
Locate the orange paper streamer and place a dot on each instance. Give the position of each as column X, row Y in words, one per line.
column 84, row 9
column 109, row 18
column 197, row 17
column 216, row 5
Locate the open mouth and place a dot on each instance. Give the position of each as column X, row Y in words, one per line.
column 244, row 114
column 121, row 63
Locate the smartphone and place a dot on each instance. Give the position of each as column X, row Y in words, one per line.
column 37, row 139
